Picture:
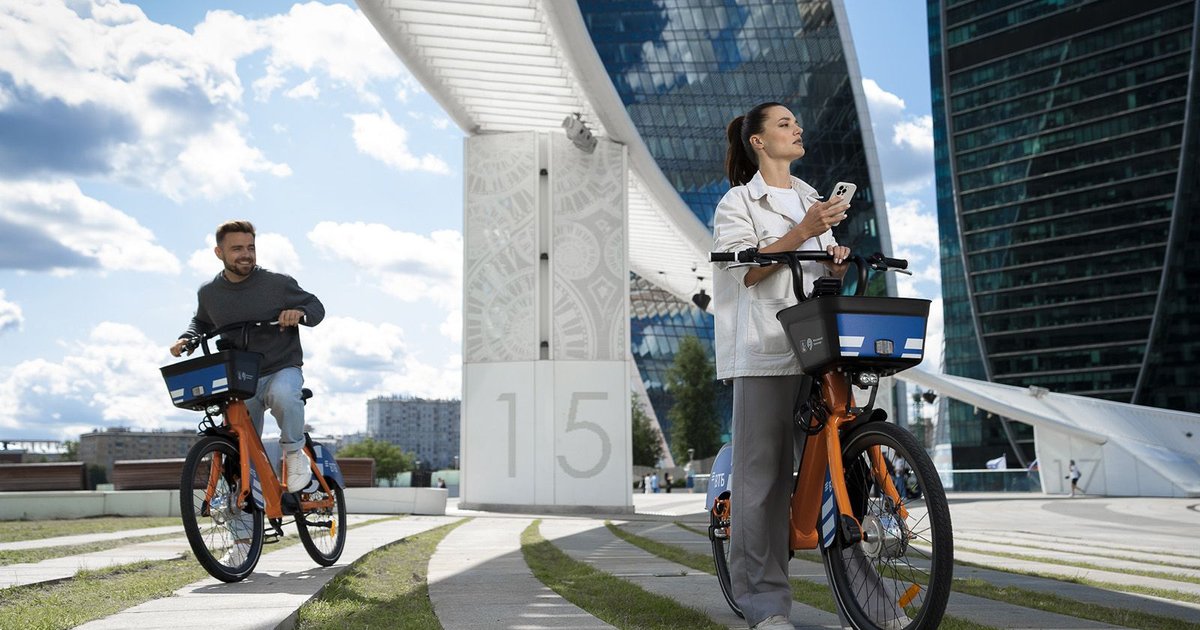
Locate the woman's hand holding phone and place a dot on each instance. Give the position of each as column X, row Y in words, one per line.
column 822, row 216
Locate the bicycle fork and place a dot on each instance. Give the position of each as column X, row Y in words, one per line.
column 825, row 477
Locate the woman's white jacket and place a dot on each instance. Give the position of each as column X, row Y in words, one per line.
column 749, row 340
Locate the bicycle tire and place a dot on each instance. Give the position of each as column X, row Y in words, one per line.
column 899, row 577
column 324, row 540
column 209, row 531
column 720, row 552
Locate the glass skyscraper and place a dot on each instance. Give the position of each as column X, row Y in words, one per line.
column 684, row 69
column 1065, row 147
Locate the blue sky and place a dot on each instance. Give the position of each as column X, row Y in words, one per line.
column 129, row 131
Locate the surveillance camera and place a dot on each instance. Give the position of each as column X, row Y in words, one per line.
column 578, row 133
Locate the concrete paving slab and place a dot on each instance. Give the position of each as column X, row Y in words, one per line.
column 478, row 579
column 268, row 599
column 83, row 539
column 67, row 566
column 589, row 541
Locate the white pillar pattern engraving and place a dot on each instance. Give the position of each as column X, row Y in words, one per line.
column 546, row 262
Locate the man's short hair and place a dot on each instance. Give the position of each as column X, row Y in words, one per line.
column 229, row 227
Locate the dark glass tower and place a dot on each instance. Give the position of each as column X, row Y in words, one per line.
column 685, row 68
column 1065, row 146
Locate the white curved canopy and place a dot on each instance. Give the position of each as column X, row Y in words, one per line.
column 521, row 65
column 1163, row 441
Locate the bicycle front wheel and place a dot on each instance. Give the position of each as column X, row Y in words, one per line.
column 898, row 576
column 226, row 540
column 323, row 531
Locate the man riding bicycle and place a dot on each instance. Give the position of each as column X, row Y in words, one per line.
column 245, row 292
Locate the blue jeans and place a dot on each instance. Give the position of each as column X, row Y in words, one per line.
column 280, row 392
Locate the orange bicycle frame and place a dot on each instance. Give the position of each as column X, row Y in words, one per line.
column 250, row 449
column 822, row 452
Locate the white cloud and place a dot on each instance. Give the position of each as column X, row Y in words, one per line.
column 56, row 226
column 104, row 91
column 912, row 229
column 915, row 134
column 411, row 267
column 98, row 89
column 274, row 252
column 308, row 89
column 349, row 361
column 111, row 378
column 10, row 315
column 440, row 122
column 335, row 40
column 904, row 142
column 378, row 136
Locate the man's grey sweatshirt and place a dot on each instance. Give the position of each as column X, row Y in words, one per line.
column 260, row 297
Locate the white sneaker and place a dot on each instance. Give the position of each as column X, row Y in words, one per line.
column 236, row 555
column 299, row 470
column 774, row 622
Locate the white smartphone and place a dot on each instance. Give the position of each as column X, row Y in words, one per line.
column 845, row 190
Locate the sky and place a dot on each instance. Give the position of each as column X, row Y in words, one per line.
column 128, row 131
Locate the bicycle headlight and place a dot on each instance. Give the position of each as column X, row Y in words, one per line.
column 868, row 379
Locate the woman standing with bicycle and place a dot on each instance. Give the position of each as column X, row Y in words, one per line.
column 768, row 209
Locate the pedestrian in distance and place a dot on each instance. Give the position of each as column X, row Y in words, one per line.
column 768, row 209
column 1074, row 476
column 668, row 481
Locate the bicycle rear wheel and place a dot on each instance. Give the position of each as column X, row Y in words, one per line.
column 898, row 576
column 323, row 531
column 227, row 541
column 718, row 534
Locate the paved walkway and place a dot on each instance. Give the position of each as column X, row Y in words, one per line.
column 478, row 577
column 283, row 581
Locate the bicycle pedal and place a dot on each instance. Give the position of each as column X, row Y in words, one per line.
column 290, row 503
column 270, row 539
column 851, row 531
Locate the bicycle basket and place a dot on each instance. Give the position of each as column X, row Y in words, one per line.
column 878, row 334
column 197, row 383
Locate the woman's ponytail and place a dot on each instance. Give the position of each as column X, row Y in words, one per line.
column 740, row 162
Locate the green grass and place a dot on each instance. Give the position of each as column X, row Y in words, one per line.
column 91, row 595
column 1065, row 606
column 12, row 531
column 1162, row 575
column 387, row 588
column 610, row 598
column 814, row 594
column 1178, row 596
column 45, row 553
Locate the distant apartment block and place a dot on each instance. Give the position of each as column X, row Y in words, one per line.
column 427, row 428
column 117, row 443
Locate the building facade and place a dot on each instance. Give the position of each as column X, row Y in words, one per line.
column 429, row 429
column 102, row 448
column 683, row 70
column 1065, row 147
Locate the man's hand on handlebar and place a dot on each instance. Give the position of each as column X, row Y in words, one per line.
column 183, row 345
column 290, row 318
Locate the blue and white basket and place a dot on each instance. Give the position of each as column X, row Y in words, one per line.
column 198, row 383
column 856, row 333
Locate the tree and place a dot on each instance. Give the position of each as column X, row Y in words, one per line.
column 691, row 380
column 389, row 459
column 70, row 451
column 647, row 441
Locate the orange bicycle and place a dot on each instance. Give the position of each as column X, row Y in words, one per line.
column 887, row 546
column 228, row 483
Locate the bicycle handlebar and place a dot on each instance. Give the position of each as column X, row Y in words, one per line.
column 876, row 261
column 201, row 340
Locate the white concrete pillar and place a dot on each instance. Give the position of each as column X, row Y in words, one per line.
column 545, row 422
